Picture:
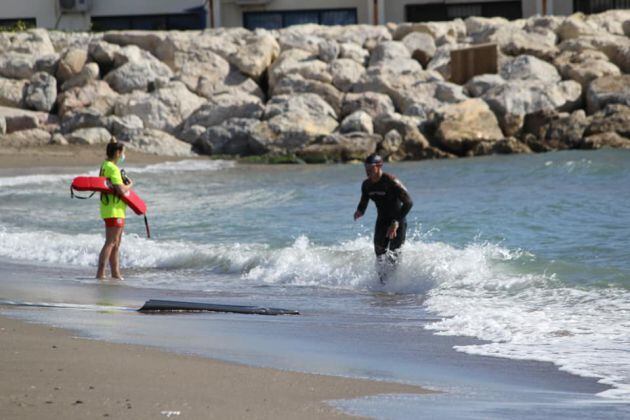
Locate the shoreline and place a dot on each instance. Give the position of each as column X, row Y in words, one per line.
column 56, row 374
column 55, row 156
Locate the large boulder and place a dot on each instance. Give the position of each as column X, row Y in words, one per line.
column 345, row 73
column 328, row 50
column 611, row 21
column 103, row 53
column 41, row 93
column 482, row 83
column 422, row 98
column 421, row 46
column 414, row 144
column 223, row 107
column 26, row 138
column 451, row 30
column 388, row 51
column 164, row 109
column 354, row 52
column 12, row 92
column 17, row 65
column 21, row 119
column 608, row 90
column 292, row 122
column 339, row 147
column 89, row 73
column 295, row 61
column 83, row 118
column 372, row 103
column 160, row 143
column 89, row 136
column 71, row 64
column 256, row 54
column 191, row 66
column 512, row 101
column 235, row 83
column 527, row 67
column 585, row 66
column 30, row 41
column 576, row 26
column 232, row 137
column 539, row 43
column 547, row 130
column 138, row 73
column 464, row 125
column 612, row 121
column 359, row 121
column 95, row 94
column 293, row 84
column 506, row 146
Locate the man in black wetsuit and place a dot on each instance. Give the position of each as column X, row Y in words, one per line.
column 392, row 204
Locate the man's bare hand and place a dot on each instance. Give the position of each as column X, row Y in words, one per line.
column 357, row 215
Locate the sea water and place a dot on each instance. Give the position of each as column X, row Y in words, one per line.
column 509, row 260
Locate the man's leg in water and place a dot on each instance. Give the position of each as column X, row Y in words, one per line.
column 394, row 257
column 381, row 243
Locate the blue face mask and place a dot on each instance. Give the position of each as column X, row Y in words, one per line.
column 121, row 159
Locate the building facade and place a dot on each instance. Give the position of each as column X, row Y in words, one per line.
column 272, row 14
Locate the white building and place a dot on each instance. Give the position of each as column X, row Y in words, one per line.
column 197, row 14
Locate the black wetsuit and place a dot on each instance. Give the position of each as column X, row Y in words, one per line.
column 392, row 203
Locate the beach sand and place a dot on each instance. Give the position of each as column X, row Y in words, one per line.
column 53, row 156
column 49, row 373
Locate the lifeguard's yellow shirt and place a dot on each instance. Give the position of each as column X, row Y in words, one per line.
column 111, row 205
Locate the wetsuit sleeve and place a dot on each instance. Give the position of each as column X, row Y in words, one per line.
column 405, row 198
column 364, row 199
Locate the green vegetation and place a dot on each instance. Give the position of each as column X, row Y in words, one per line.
column 19, row 26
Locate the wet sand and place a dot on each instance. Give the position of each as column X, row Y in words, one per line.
column 53, row 156
column 49, row 373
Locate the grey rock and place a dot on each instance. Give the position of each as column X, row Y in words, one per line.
column 390, row 146
column 224, row 107
column 17, row 65
column 3, row 126
column 372, row 103
column 58, row 139
column 359, row 121
column 12, row 92
column 89, row 136
column 193, row 133
column 345, row 73
column 293, row 62
column 103, row 53
column 232, row 137
column 235, row 83
column 95, row 94
column 354, row 52
column 71, row 64
column 163, row 109
column 137, row 75
column 89, row 73
column 41, row 93
column 388, row 51
column 328, row 51
column 608, row 90
column 83, row 118
column 479, row 85
column 576, row 26
column 156, row 142
column 421, row 46
column 466, row 124
column 339, row 147
column 527, row 67
column 126, row 126
column 47, row 63
column 512, row 101
column 547, row 130
column 506, row 146
column 294, row 84
column 614, row 118
column 256, row 55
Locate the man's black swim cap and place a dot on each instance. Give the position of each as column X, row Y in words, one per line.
column 373, row 159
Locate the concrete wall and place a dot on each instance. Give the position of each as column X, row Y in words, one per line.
column 232, row 14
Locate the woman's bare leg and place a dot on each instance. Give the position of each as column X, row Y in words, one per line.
column 114, row 258
column 110, row 241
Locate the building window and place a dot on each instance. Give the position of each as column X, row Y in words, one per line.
column 180, row 21
column 448, row 11
column 597, row 6
column 282, row 19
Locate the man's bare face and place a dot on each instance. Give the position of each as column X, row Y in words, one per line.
column 373, row 171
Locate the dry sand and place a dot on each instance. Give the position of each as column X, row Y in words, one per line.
column 47, row 373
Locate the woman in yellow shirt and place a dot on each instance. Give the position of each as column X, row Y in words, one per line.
column 113, row 210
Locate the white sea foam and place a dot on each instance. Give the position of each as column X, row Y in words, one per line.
column 189, row 165
column 475, row 289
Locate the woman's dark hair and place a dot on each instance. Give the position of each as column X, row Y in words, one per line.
column 112, row 147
